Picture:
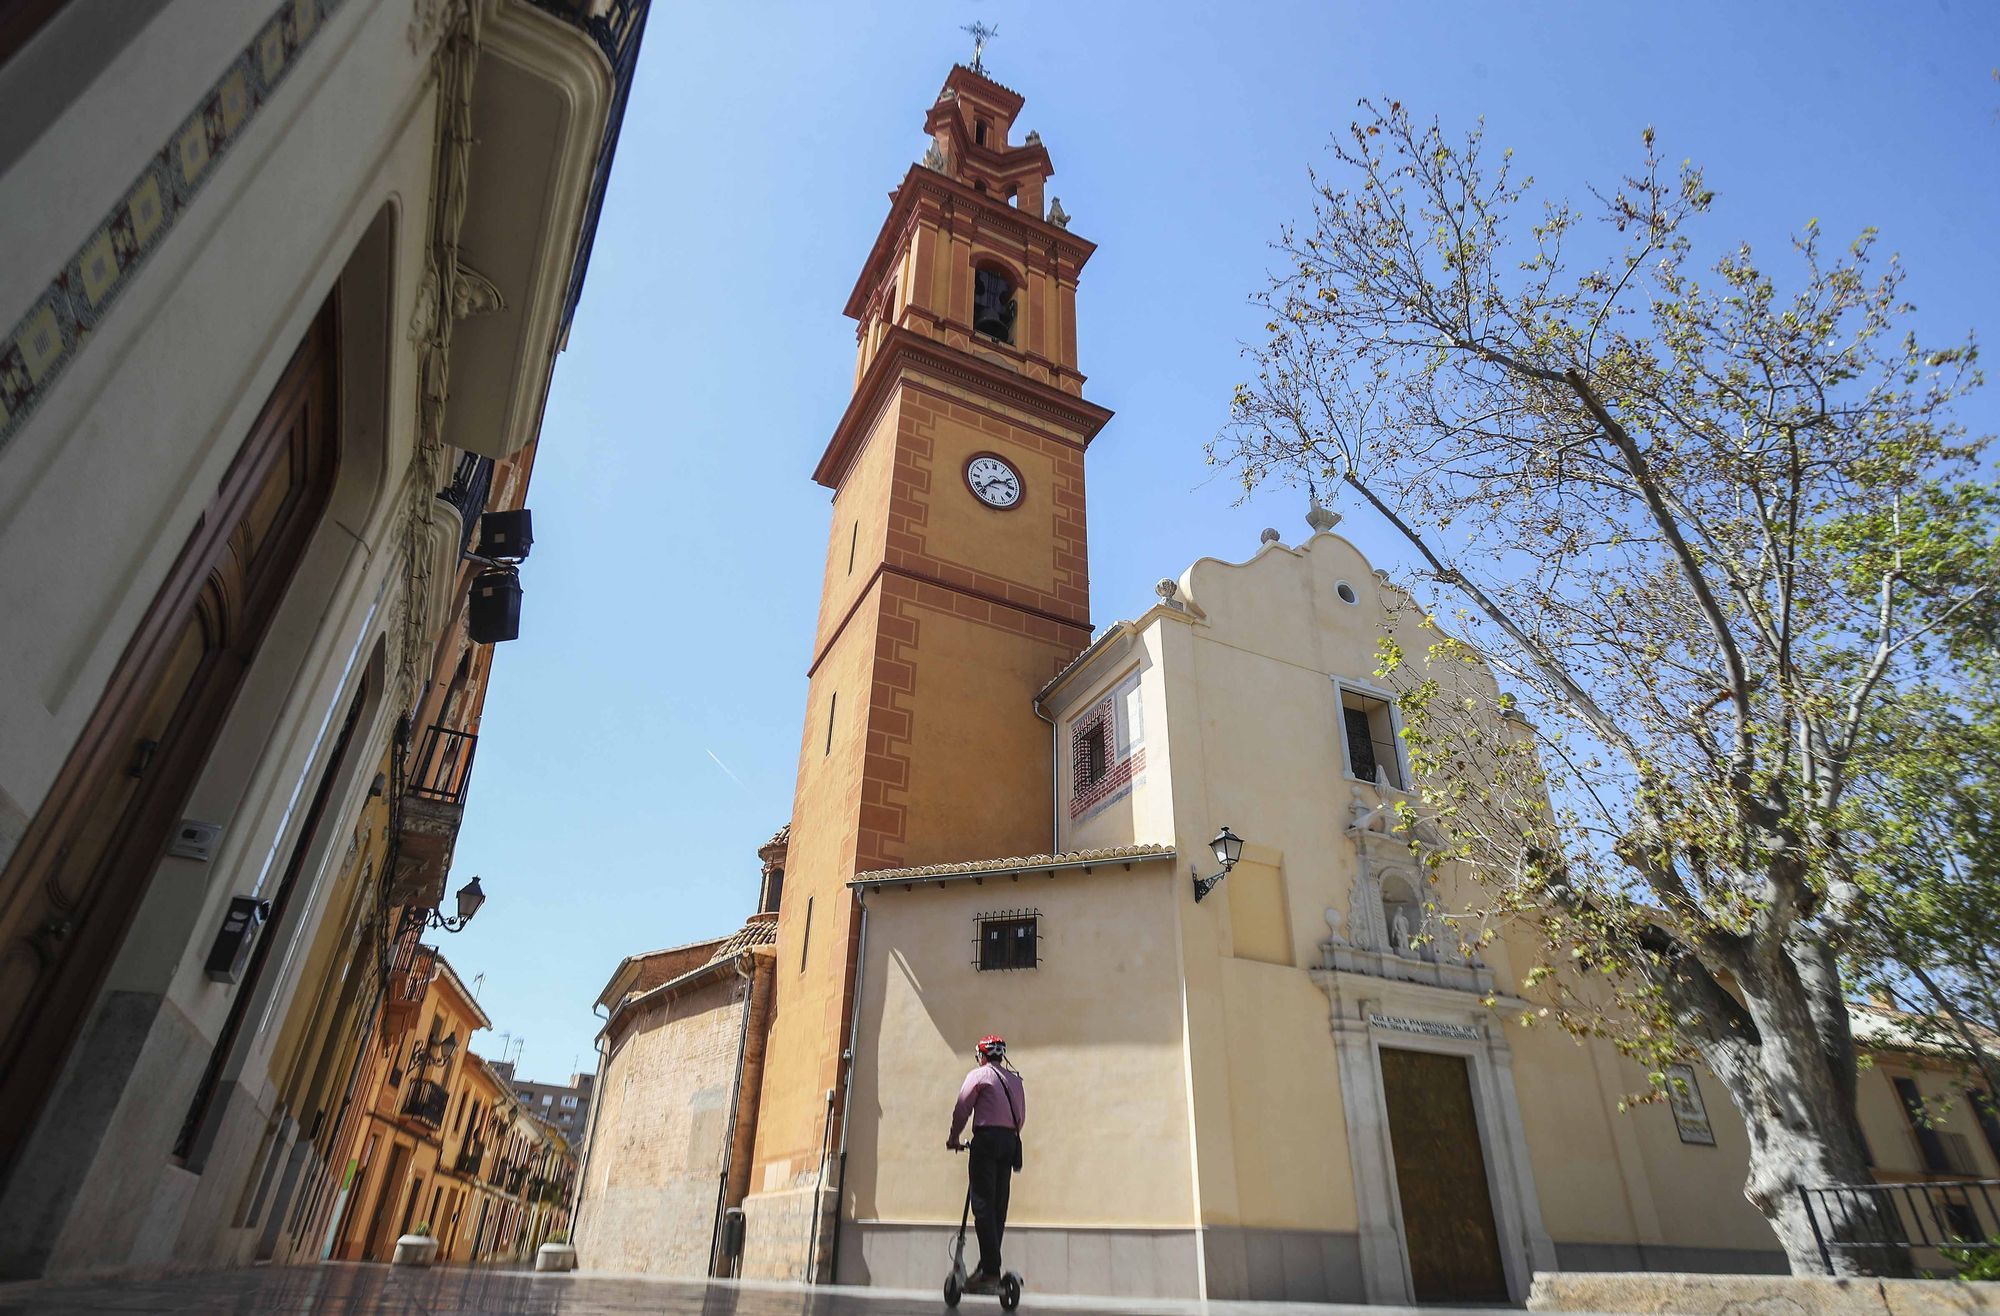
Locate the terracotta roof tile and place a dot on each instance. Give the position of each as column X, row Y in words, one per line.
column 1019, row 863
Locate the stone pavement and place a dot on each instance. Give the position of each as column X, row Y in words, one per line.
column 352, row 1289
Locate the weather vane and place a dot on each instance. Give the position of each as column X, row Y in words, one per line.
column 980, row 34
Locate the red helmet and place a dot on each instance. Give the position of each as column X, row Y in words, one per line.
column 993, row 1047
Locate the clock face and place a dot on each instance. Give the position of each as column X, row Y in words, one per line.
column 993, row 481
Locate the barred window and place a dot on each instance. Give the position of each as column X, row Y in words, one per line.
column 1009, row 940
column 1093, row 753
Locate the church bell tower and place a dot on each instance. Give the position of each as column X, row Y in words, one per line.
column 956, row 585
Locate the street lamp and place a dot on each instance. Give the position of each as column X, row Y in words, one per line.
column 1228, row 848
column 470, row 898
column 431, row 1055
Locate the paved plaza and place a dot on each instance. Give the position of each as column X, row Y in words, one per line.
column 362, row 1290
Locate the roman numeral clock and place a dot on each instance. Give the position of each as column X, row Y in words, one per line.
column 994, row 481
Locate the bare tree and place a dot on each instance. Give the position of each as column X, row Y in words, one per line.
column 1632, row 473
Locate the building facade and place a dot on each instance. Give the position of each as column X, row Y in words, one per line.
column 1310, row 1076
column 438, row 1140
column 1300, row 1086
column 285, row 288
column 564, row 1107
column 669, row 1159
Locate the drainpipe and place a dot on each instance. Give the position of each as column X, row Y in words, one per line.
column 847, row 1097
column 590, row 1124
column 735, row 1100
column 1055, row 779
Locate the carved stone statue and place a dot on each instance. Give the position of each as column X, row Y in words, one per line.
column 934, row 158
column 1057, row 215
column 1399, row 932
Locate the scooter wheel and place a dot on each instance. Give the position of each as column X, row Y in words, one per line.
column 951, row 1290
column 1010, row 1292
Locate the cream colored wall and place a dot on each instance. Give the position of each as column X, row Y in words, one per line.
column 1095, row 1029
column 156, row 403
column 1614, row 1177
column 1242, row 706
column 154, row 407
column 1250, row 714
column 1887, row 1127
column 1147, row 813
column 1287, row 1133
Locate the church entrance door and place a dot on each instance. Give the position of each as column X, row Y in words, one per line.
column 1454, row 1248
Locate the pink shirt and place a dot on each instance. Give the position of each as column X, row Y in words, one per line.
column 985, row 1095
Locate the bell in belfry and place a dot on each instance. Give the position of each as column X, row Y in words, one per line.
column 993, row 305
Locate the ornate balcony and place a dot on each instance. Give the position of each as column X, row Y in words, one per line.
column 469, row 1159
column 431, row 809
column 426, row 1102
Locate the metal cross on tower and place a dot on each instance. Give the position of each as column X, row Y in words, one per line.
column 980, row 34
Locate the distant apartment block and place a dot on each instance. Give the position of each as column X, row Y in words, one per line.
column 563, row 1105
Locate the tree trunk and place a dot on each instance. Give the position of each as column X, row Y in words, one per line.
column 1803, row 1132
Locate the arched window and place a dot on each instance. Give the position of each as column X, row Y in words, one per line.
column 979, row 131
column 993, row 304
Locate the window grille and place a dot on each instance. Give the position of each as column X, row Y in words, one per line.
column 1008, row 939
column 1093, row 753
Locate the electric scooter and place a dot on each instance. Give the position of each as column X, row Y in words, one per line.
column 955, row 1284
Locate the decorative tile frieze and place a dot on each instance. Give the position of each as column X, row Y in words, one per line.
column 55, row 328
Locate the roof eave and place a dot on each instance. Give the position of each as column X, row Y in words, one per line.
column 898, row 877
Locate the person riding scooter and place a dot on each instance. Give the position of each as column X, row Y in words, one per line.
column 993, row 1097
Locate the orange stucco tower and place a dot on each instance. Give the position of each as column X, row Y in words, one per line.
column 956, row 585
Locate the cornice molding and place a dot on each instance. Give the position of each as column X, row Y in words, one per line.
column 900, row 349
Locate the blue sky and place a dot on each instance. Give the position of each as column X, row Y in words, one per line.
column 640, row 738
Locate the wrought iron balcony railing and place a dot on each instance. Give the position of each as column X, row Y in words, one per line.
column 426, row 1102
column 444, row 765
column 469, row 1158
column 616, row 26
column 470, row 484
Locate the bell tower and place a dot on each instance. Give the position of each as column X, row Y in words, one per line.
column 956, row 585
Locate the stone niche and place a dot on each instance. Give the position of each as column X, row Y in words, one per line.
column 1388, row 929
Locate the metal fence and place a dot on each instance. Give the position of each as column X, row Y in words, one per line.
column 1892, row 1227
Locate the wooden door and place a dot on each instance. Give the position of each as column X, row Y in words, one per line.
column 68, row 895
column 379, row 1242
column 1441, row 1178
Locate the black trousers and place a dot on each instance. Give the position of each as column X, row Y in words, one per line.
column 991, row 1171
